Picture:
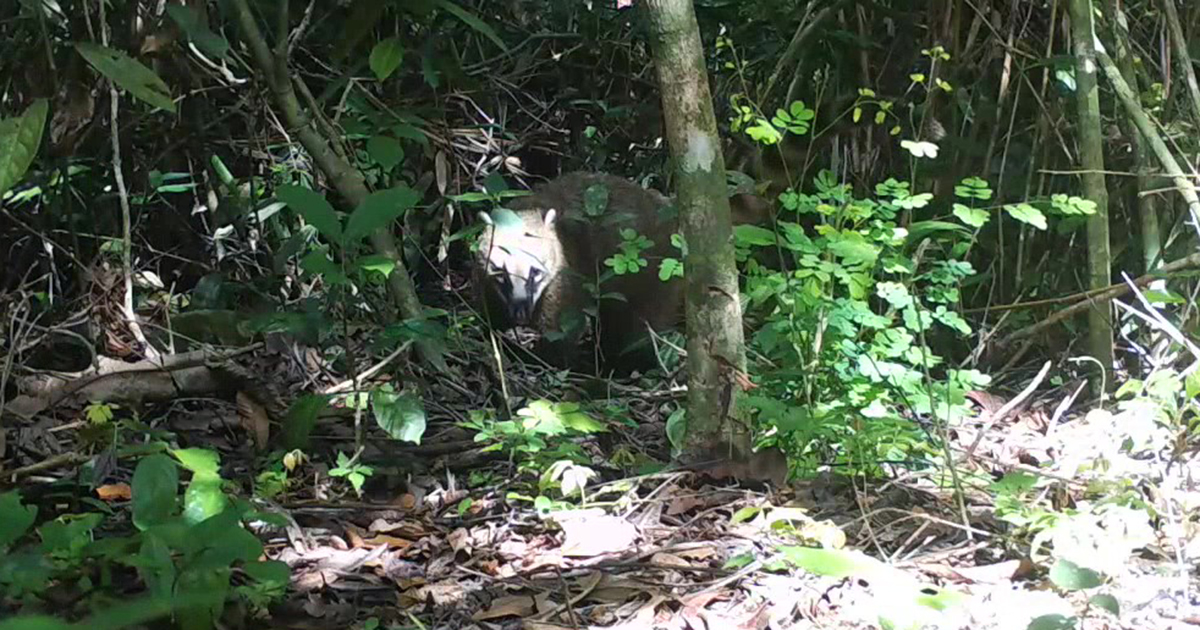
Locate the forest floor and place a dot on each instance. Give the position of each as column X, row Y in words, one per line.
column 1050, row 529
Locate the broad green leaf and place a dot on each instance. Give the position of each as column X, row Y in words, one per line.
column 1071, row 577
column 973, row 217
column 1107, row 602
column 378, row 210
column 1026, row 213
column 386, row 57
column 1192, row 385
column 386, row 151
column 35, row 622
column 677, row 429
column 17, row 518
column 753, row 235
column 155, row 485
column 472, row 21
column 155, row 565
column 271, row 572
column 20, row 138
column 204, row 498
column 314, row 208
column 129, row 74
column 188, row 18
column 301, row 418
column 378, row 264
column 830, row 562
column 200, row 461
column 504, row 220
column 1052, row 622
column 402, row 416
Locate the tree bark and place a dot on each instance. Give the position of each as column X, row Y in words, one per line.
column 1091, row 155
column 716, row 358
column 346, row 179
column 1147, row 204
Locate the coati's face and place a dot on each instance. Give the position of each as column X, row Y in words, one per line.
column 521, row 262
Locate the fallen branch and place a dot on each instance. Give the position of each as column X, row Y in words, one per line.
column 1113, row 292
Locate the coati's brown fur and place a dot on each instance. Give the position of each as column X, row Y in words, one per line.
column 572, row 248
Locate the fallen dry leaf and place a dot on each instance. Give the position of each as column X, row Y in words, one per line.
column 115, row 492
column 254, row 419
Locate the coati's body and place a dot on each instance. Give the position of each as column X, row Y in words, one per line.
column 535, row 277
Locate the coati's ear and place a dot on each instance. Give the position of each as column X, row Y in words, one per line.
column 486, row 218
column 550, row 217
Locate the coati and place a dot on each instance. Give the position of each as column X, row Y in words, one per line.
column 533, row 273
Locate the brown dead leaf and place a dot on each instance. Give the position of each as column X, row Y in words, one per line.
column 681, row 505
column 508, row 606
column 669, row 559
column 384, row 540
column 254, row 419
column 115, row 492
column 699, row 553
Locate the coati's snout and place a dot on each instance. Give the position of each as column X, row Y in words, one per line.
column 522, row 260
column 519, row 278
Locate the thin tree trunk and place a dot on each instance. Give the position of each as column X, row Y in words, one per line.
column 716, row 351
column 1147, row 205
column 1091, row 155
column 346, row 179
column 1183, row 57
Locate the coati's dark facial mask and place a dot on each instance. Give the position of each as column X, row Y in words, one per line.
column 520, row 266
column 521, row 277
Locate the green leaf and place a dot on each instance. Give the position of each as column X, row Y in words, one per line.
column 830, row 562
column 314, row 208
column 18, row 518
column 378, row 264
column 504, row 220
column 672, row 267
column 402, row 416
column 472, row 21
column 203, row 498
column 1071, row 577
column 386, row 57
column 188, row 18
column 1051, row 622
column 973, row 217
column 270, row 572
column 752, row 235
column 677, row 428
column 378, row 210
column 301, row 418
column 744, row 514
column 155, row 484
column 1026, row 213
column 35, row 622
column 1191, row 384
column 1107, row 602
column 200, row 461
column 20, row 137
column 386, row 151
column 129, row 74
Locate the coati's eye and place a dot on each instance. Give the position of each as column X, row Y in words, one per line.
column 534, row 274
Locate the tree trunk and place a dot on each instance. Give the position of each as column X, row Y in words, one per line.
column 716, row 352
column 1091, row 155
column 1143, row 159
column 346, row 179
